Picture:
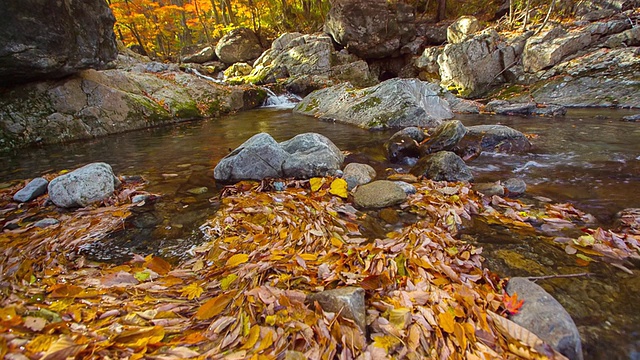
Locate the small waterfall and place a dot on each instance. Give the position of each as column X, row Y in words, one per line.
column 284, row 101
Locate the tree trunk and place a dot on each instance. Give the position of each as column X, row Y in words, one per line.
column 442, row 10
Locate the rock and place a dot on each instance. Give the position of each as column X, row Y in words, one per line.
column 462, row 28
column 444, row 137
column 34, row 188
column 198, row 54
column 514, row 186
column 370, row 29
column 433, row 34
column 492, row 138
column 630, row 37
column 473, row 66
column 238, row 45
column 628, row 221
column 306, row 84
column 597, row 15
column 489, row 189
column 379, row 194
column 257, row 158
column 544, row 316
column 96, row 103
column 53, row 40
column 46, row 223
column 238, row 69
column 389, row 215
column 443, row 165
column 632, row 118
column 348, row 302
column 358, row 174
column 310, row 155
column 406, row 187
column 303, row 156
column 393, row 103
column 547, row 49
column 198, row 190
column 404, row 144
column 83, row 186
column 502, row 107
column 427, row 64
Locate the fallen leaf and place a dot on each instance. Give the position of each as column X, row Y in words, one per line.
column 214, row 306
column 237, row 259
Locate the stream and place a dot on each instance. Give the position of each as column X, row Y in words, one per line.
column 588, row 158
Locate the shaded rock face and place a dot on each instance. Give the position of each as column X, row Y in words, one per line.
column 404, row 144
column 198, row 54
column 239, row 45
column 393, row 103
column 443, row 165
column 83, row 186
column 371, row 29
column 544, row 316
column 379, row 194
column 46, row 40
column 491, row 138
column 303, row 156
column 96, row 103
column 444, row 137
column 547, row 49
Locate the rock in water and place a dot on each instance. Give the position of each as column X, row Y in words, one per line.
column 310, row 155
column 81, row 187
column 358, row 174
column 544, row 316
column 444, row 137
column 52, row 39
column 379, row 194
column 443, row 165
column 34, row 188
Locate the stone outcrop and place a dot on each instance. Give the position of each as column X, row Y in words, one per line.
column 370, row 29
column 238, row 45
column 47, row 40
column 303, row 156
column 96, row 103
column 547, row 49
column 393, row 103
column 83, row 186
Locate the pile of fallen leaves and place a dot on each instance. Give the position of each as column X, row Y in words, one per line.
column 243, row 293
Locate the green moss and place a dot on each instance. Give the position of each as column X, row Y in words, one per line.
column 313, row 105
column 367, row 104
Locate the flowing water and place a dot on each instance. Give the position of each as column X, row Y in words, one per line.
column 588, row 158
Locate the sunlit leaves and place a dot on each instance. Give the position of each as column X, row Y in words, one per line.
column 192, row 291
column 214, row 306
column 140, row 337
column 339, row 188
column 237, row 259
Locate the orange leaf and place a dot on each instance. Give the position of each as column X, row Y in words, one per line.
column 511, row 303
column 214, row 306
column 65, row 291
column 140, row 337
column 158, row 265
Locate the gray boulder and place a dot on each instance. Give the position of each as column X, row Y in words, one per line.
column 444, row 137
column 370, row 29
column 257, row 158
column 198, row 54
column 549, row 48
column 34, row 188
column 238, row 45
column 404, row 144
column 443, row 165
column 83, row 186
column 393, row 103
column 379, row 194
column 514, row 186
column 491, row 138
column 427, row 63
column 462, row 28
column 358, row 174
column 348, row 302
column 544, row 316
column 310, row 155
column 489, row 189
column 45, row 40
column 238, row 69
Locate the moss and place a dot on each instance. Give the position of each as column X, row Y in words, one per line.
column 367, row 104
column 313, row 105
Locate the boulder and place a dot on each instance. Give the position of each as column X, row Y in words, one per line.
column 514, row 186
column 544, row 316
column 443, row 165
column 257, row 158
column 371, row 29
column 306, row 84
column 198, row 54
column 489, row 189
column 238, row 69
column 379, row 194
column 631, row 118
column 393, row 103
column 42, row 40
column 549, row 48
column 96, row 103
column 238, row 45
column 303, row 156
column 34, row 188
column 310, row 155
column 491, row 138
column 404, row 144
column 630, row 37
column 444, row 137
column 83, row 186
column 358, row 174
column 348, row 302
column 473, row 66
column 427, row 63
column 462, row 28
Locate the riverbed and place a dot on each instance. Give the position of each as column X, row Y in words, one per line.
column 589, row 158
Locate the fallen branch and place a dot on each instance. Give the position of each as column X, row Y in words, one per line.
column 558, row 276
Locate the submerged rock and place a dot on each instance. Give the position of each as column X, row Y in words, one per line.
column 404, row 144
column 544, row 316
column 83, row 186
column 34, row 188
column 515, row 186
column 443, row 165
column 379, row 194
column 489, row 189
column 393, row 103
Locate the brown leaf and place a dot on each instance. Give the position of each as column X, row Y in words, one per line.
column 214, row 306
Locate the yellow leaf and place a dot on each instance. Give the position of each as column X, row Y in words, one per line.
column 400, row 317
column 63, row 348
column 191, row 291
column 446, row 322
column 41, row 343
column 386, row 342
column 316, row 183
column 309, row 257
column 227, row 281
column 237, row 259
column 140, row 337
column 266, row 340
column 199, row 265
column 214, row 306
column 339, row 188
column 458, row 331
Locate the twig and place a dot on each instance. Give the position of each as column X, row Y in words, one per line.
column 558, row 276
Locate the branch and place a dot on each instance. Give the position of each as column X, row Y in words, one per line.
column 536, row 278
